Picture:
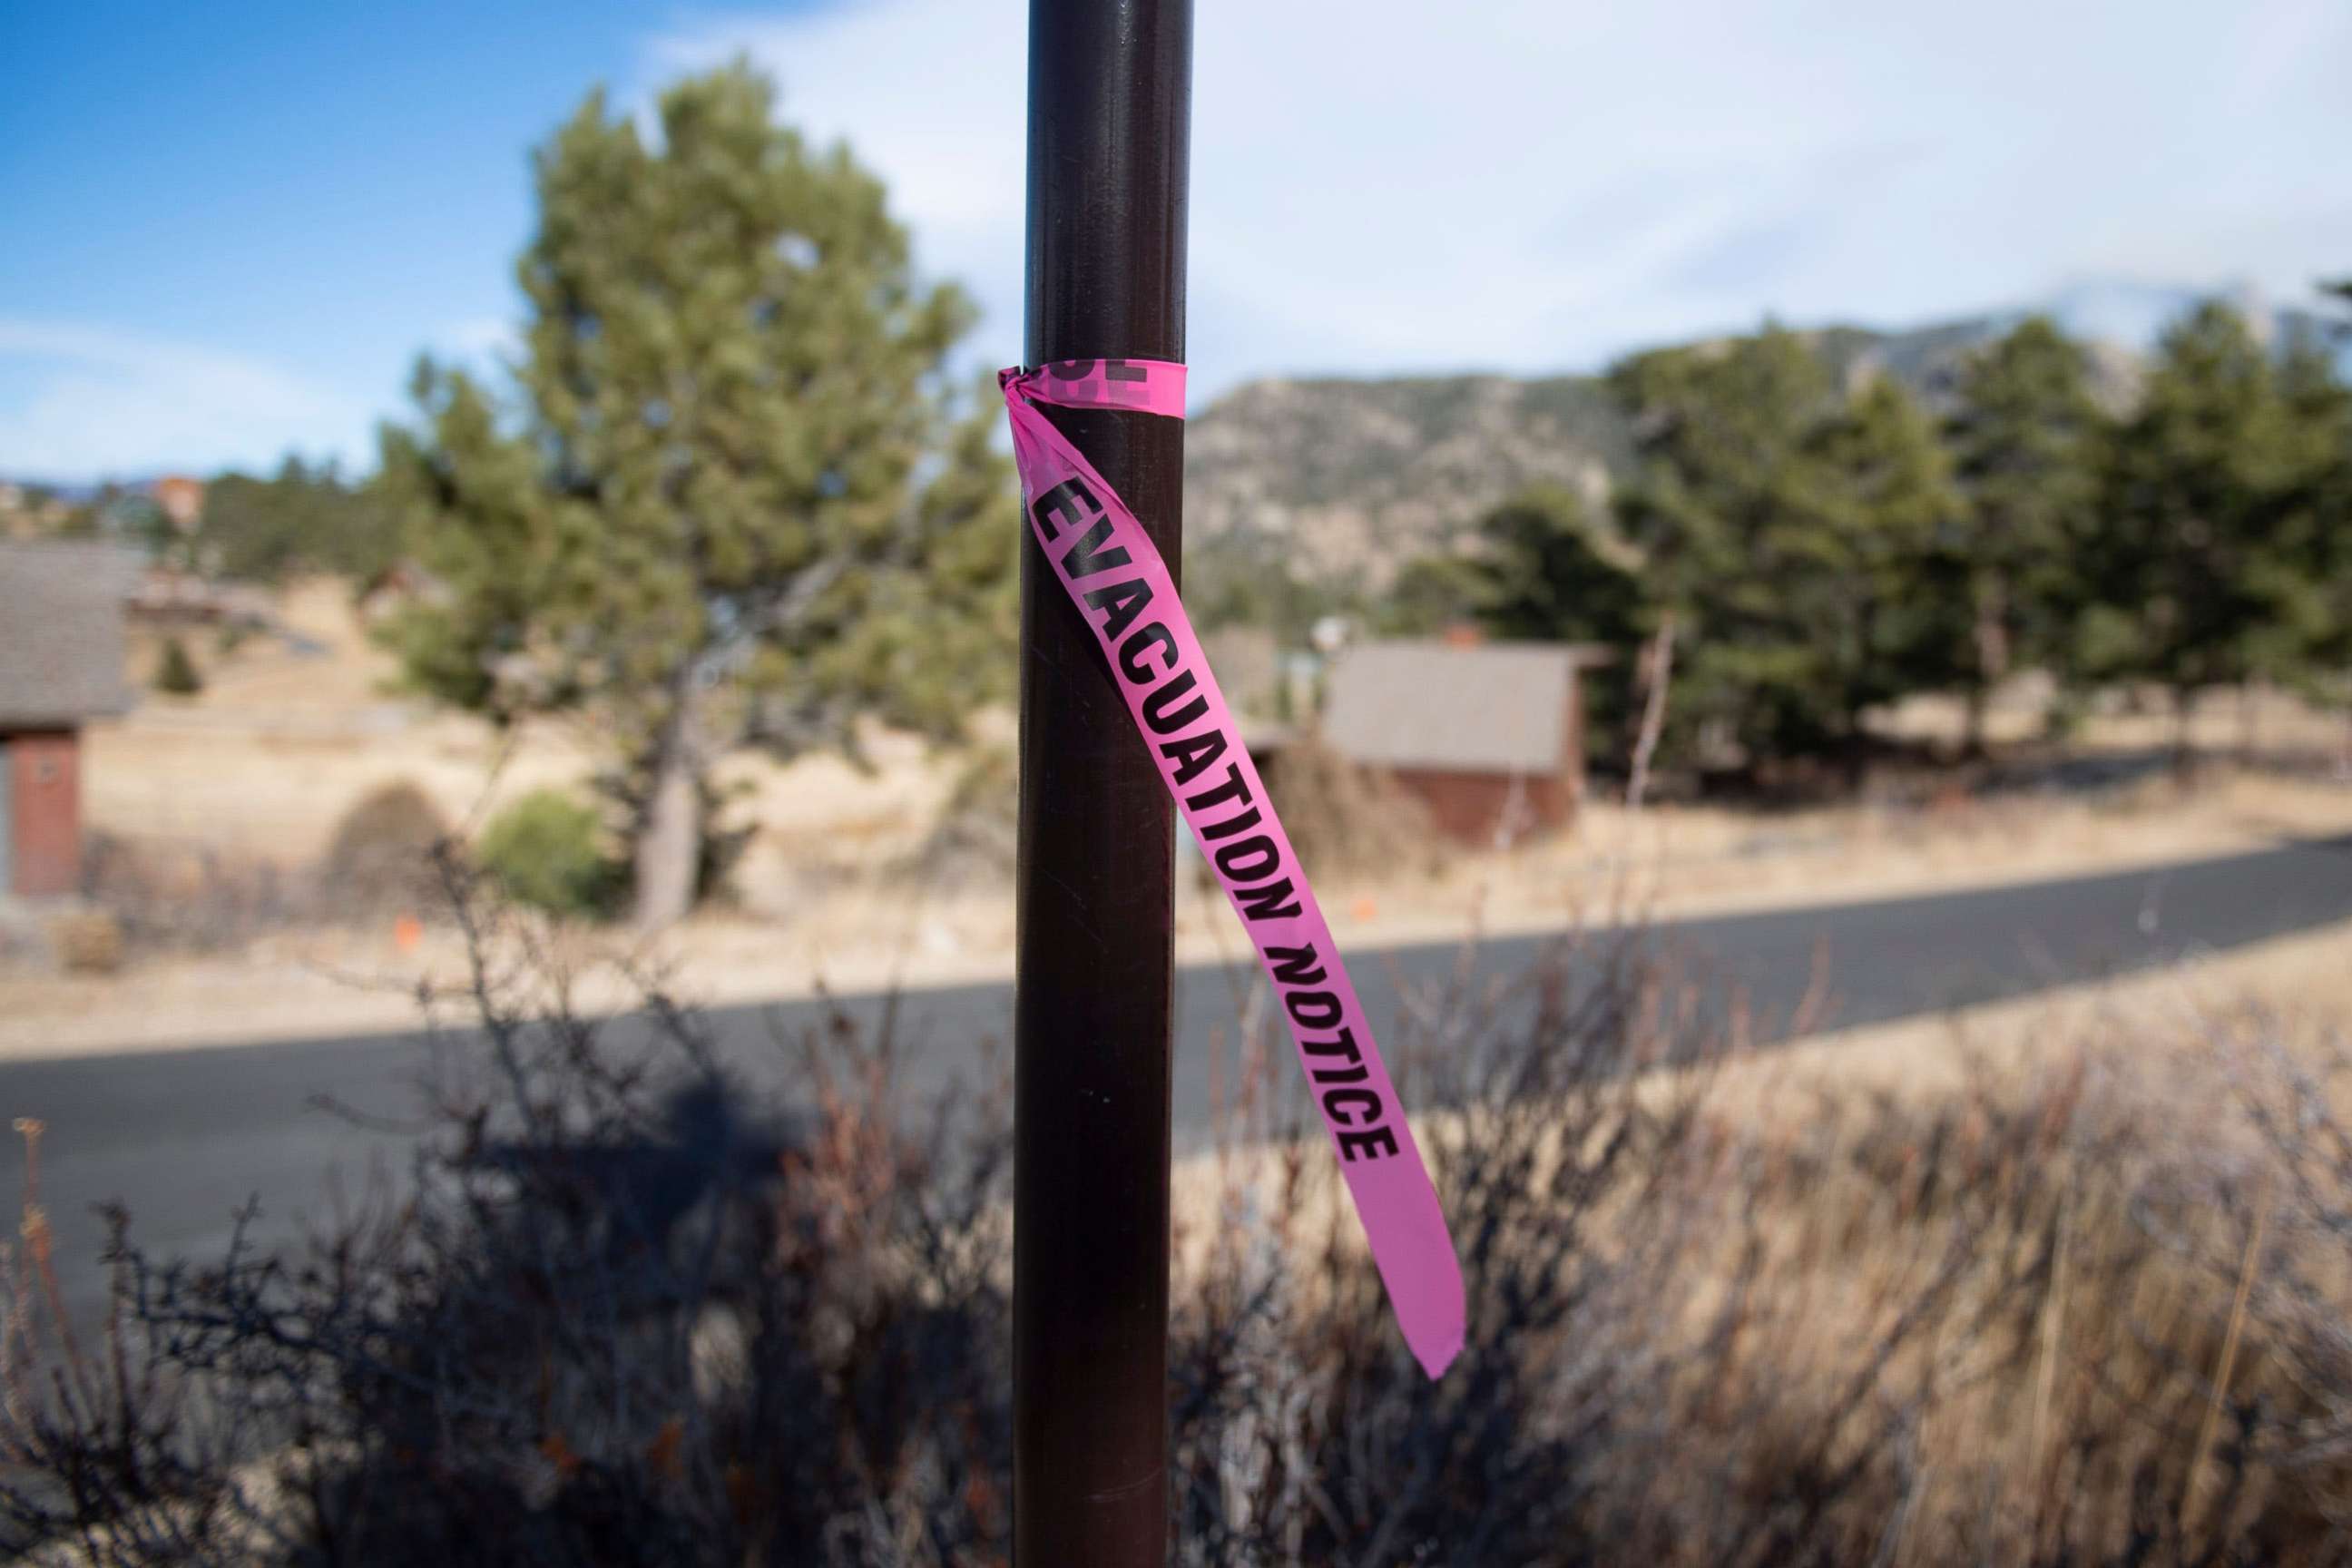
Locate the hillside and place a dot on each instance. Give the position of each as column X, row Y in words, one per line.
column 1348, row 480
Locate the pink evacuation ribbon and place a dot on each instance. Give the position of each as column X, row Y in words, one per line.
column 1122, row 585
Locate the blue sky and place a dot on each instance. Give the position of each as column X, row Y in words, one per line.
column 231, row 227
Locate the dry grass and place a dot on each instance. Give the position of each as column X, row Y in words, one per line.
column 1698, row 858
column 2076, row 1299
column 281, row 742
column 856, row 929
column 2221, row 719
column 235, row 796
column 2070, row 1294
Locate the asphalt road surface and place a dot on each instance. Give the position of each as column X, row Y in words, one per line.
column 186, row 1138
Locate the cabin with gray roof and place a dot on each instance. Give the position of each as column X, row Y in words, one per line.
column 61, row 664
column 1489, row 736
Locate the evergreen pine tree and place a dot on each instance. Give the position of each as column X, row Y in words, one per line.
column 175, row 672
column 1554, row 571
column 2196, row 561
column 1718, row 427
column 725, row 506
column 1847, row 561
column 2025, row 440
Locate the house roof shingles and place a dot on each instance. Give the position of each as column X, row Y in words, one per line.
column 1495, row 708
column 61, row 633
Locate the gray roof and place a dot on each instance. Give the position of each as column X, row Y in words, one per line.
column 61, row 632
column 1247, row 664
column 1495, row 707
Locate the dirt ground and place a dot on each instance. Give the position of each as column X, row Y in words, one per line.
column 283, row 739
column 291, row 732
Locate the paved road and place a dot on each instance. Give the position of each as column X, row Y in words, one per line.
column 185, row 1137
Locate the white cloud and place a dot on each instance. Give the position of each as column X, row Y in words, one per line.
column 1524, row 185
column 930, row 95
column 486, row 341
column 98, row 401
column 1534, row 185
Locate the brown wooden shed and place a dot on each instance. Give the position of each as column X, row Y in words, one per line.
column 1490, row 736
column 61, row 664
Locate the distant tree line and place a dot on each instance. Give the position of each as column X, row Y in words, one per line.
column 303, row 518
column 1795, row 550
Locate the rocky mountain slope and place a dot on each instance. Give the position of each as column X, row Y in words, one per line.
column 1350, row 478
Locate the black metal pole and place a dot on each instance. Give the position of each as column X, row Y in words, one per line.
column 1109, row 131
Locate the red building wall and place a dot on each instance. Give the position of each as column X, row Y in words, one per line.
column 45, row 798
column 1471, row 807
